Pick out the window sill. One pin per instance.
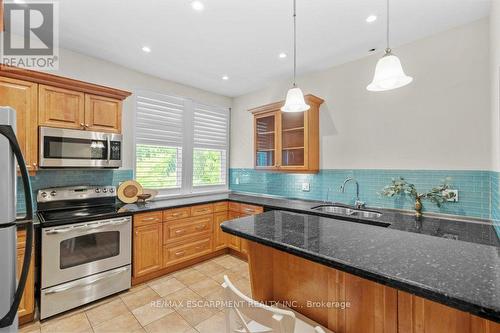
(196, 196)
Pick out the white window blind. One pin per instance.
(159, 140)
(181, 145)
(210, 145)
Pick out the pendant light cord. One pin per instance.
(294, 41)
(388, 45)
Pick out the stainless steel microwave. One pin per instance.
(67, 148)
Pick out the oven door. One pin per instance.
(74, 251)
(74, 148)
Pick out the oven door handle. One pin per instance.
(77, 284)
(86, 226)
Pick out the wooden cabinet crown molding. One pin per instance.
(277, 105)
(62, 82)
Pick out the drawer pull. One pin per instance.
(199, 248)
(180, 231)
(180, 253)
(150, 219)
(249, 210)
(201, 227)
(176, 214)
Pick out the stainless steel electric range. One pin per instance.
(85, 247)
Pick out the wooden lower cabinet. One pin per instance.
(148, 248)
(27, 305)
(163, 239)
(220, 237)
(346, 303)
(233, 242)
(419, 315)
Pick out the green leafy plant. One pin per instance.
(437, 195)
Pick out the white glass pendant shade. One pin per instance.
(389, 74)
(295, 101)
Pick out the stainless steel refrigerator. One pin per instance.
(10, 294)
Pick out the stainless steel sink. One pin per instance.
(341, 210)
(335, 209)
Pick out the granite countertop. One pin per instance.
(460, 274)
(481, 232)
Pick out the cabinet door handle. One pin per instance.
(34, 164)
(82, 125)
(87, 126)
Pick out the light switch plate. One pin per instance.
(455, 197)
(306, 187)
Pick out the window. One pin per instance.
(181, 146)
(210, 146)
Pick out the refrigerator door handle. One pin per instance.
(8, 132)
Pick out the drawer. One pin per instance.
(221, 206)
(176, 213)
(251, 209)
(193, 249)
(147, 218)
(179, 230)
(234, 206)
(202, 210)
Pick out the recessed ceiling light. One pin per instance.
(197, 5)
(225, 77)
(371, 18)
(282, 55)
(146, 49)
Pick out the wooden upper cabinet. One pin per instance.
(22, 96)
(61, 107)
(287, 141)
(103, 114)
(75, 110)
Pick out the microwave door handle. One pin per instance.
(108, 141)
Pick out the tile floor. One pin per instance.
(184, 301)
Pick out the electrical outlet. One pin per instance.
(237, 181)
(306, 187)
(454, 194)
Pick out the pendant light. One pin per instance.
(389, 73)
(295, 98)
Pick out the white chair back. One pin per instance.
(245, 315)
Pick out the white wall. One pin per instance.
(440, 121)
(495, 82)
(82, 67)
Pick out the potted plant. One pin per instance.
(437, 195)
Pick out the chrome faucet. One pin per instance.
(358, 203)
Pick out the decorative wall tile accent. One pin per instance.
(474, 187)
(68, 177)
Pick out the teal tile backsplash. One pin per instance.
(475, 187)
(69, 177)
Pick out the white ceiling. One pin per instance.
(242, 38)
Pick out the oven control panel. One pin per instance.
(75, 193)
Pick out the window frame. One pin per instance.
(187, 188)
